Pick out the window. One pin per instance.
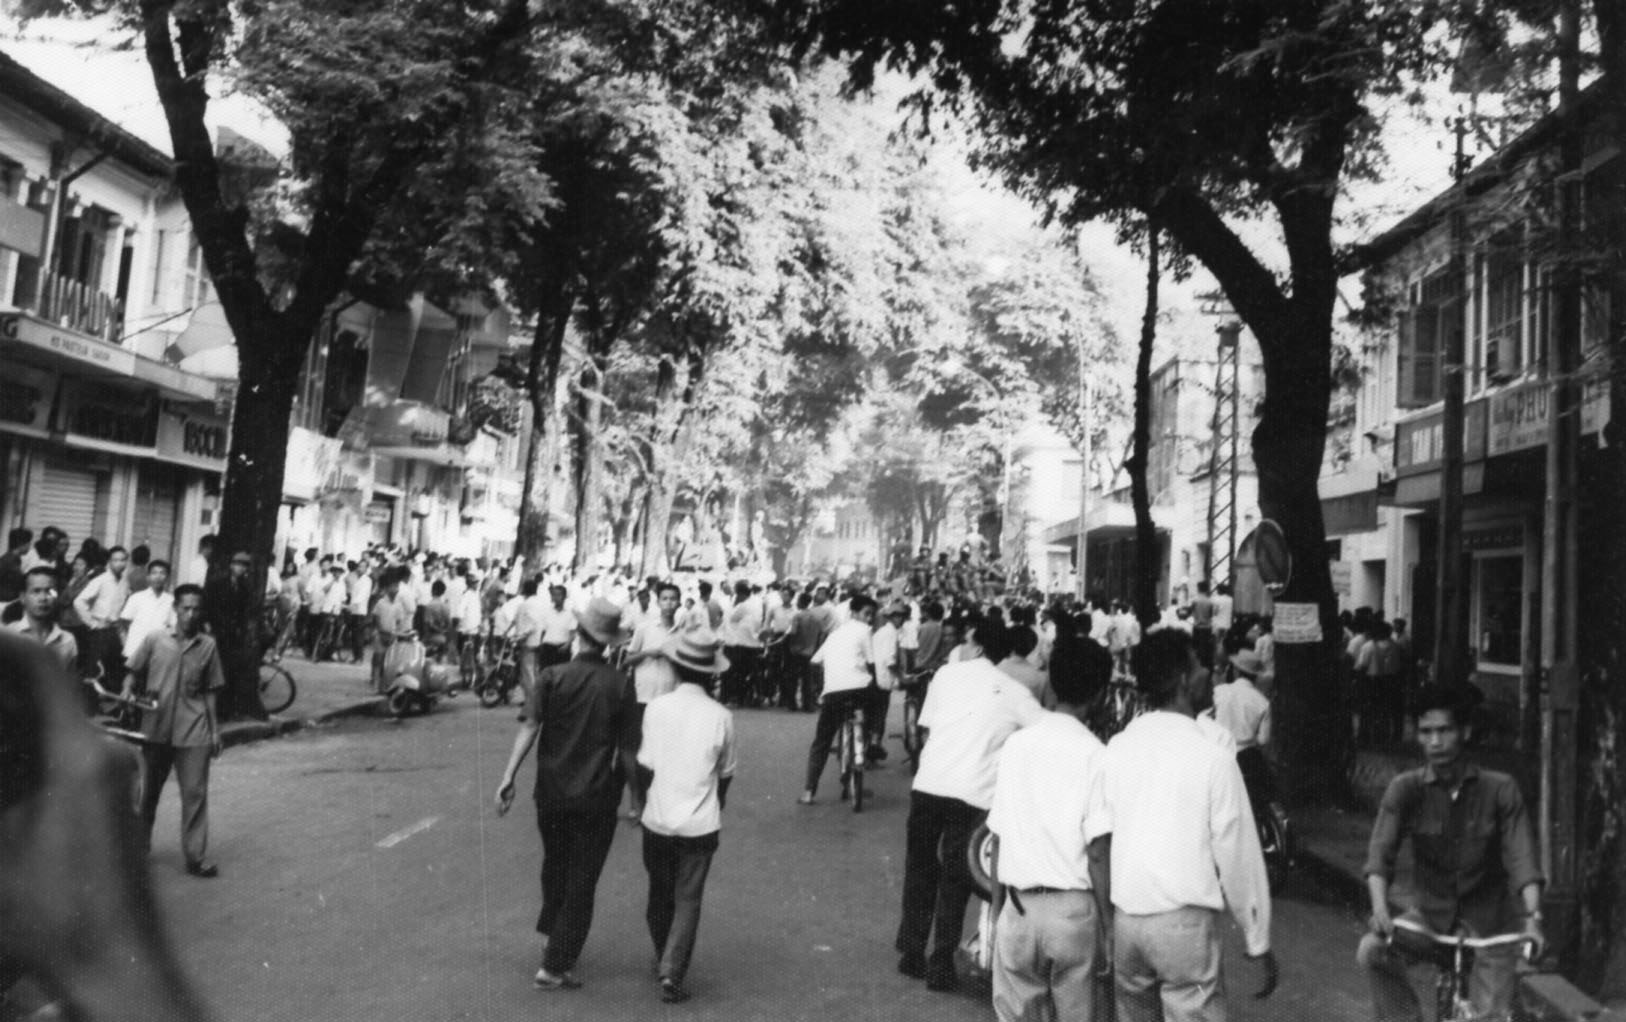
(1503, 300)
(198, 291)
(1424, 331)
(1498, 598)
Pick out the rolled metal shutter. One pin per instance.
(158, 497)
(64, 495)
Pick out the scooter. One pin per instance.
(415, 681)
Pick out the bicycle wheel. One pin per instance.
(855, 741)
(979, 857)
(1273, 842)
(277, 689)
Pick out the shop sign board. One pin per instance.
(1420, 443)
(21, 229)
(194, 435)
(36, 333)
(352, 474)
(1519, 415)
(25, 400)
(378, 513)
(109, 418)
(312, 458)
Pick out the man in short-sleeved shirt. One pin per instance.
(1474, 855)
(1052, 861)
(579, 716)
(971, 707)
(845, 657)
(181, 669)
(37, 622)
(688, 752)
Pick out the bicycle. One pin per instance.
(471, 659)
(502, 677)
(979, 860)
(277, 688)
(850, 752)
(1452, 954)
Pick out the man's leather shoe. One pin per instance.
(913, 966)
(206, 870)
(943, 981)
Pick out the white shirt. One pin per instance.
(196, 572)
(333, 597)
(689, 743)
(102, 599)
(884, 651)
(507, 615)
(1243, 711)
(654, 677)
(1182, 830)
(1047, 804)
(361, 593)
(1222, 612)
(146, 611)
(469, 611)
(745, 620)
(971, 708)
(846, 657)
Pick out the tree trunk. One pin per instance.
(676, 381)
(589, 466)
(252, 495)
(1147, 547)
(541, 388)
(1311, 710)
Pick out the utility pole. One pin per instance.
(1560, 675)
(1450, 623)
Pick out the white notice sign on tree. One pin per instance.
(1297, 623)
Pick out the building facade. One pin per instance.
(101, 432)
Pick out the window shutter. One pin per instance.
(1405, 369)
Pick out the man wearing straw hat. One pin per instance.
(580, 717)
(687, 760)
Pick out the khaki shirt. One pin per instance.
(181, 674)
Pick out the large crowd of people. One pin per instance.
(1123, 838)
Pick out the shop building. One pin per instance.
(101, 433)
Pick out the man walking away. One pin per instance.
(687, 760)
(181, 669)
(971, 708)
(1051, 858)
(848, 680)
(652, 673)
(579, 717)
(1184, 847)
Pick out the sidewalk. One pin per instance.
(325, 691)
(1330, 842)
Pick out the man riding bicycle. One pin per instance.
(1473, 851)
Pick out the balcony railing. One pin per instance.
(77, 306)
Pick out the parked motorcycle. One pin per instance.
(415, 681)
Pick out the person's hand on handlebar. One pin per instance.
(1538, 941)
(76, 907)
(1381, 922)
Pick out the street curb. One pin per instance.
(244, 732)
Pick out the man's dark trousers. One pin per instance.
(937, 880)
(575, 843)
(677, 868)
(190, 764)
(832, 714)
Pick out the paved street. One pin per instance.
(366, 876)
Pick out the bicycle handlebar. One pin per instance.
(1455, 940)
(140, 702)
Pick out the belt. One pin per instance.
(1015, 894)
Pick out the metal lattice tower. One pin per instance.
(1222, 462)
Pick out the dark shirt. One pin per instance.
(11, 577)
(584, 711)
(932, 651)
(806, 632)
(1471, 853)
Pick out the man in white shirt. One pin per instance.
(99, 605)
(1051, 859)
(887, 653)
(1184, 847)
(1244, 712)
(742, 645)
(686, 761)
(775, 640)
(361, 601)
(652, 673)
(971, 708)
(553, 629)
(150, 610)
(846, 659)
